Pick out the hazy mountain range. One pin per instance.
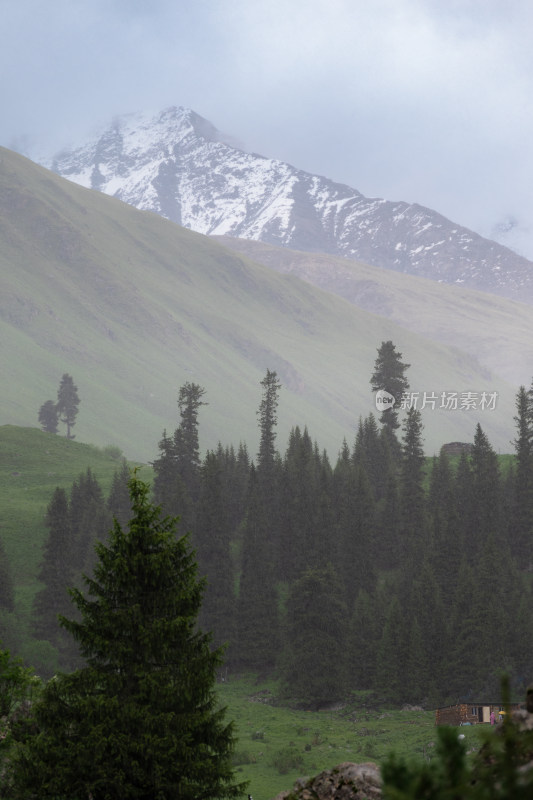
(132, 305)
(177, 164)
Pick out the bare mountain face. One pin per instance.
(178, 165)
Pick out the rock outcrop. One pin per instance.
(346, 781)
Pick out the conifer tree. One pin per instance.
(362, 641)
(140, 719)
(90, 520)
(447, 545)
(493, 611)
(186, 438)
(267, 422)
(300, 525)
(177, 470)
(392, 654)
(389, 525)
(463, 492)
(486, 493)
(521, 517)
(521, 639)
(258, 626)
(67, 403)
(465, 661)
(370, 454)
(212, 544)
(55, 573)
(234, 473)
(417, 669)
(342, 502)
(357, 538)
(269, 464)
(118, 502)
(389, 375)
(324, 540)
(314, 664)
(412, 494)
(49, 416)
(7, 595)
(168, 489)
(422, 601)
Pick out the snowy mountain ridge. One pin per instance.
(177, 164)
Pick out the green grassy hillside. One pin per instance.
(132, 306)
(32, 464)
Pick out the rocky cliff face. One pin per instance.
(178, 165)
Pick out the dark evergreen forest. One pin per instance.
(385, 570)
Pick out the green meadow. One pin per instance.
(278, 744)
(32, 465)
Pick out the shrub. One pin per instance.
(241, 757)
(286, 760)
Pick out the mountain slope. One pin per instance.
(497, 331)
(177, 165)
(132, 306)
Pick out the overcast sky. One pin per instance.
(429, 101)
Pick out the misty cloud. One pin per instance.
(423, 101)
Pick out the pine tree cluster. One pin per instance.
(384, 571)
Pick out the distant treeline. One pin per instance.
(385, 571)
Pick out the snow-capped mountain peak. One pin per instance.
(177, 164)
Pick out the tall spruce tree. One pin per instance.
(357, 538)
(389, 525)
(389, 375)
(269, 464)
(140, 719)
(267, 422)
(325, 544)
(212, 544)
(463, 493)
(67, 403)
(234, 473)
(370, 454)
(257, 617)
(521, 517)
(447, 545)
(186, 438)
(118, 502)
(168, 489)
(314, 663)
(90, 520)
(300, 528)
(55, 573)
(177, 470)
(486, 494)
(412, 493)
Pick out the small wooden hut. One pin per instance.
(470, 713)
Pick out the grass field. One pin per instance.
(277, 745)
